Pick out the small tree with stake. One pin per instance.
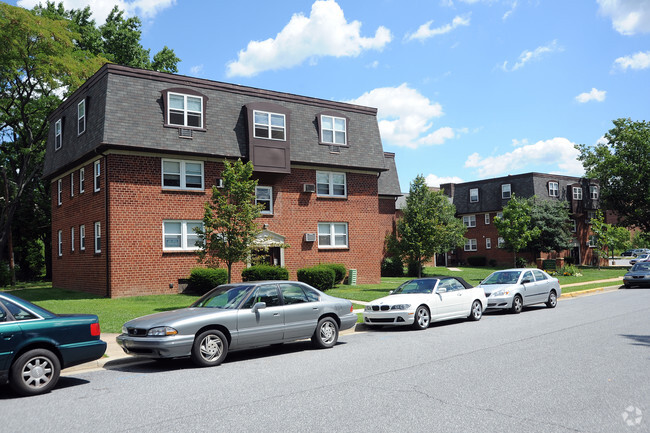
(514, 226)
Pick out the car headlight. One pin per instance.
(400, 307)
(162, 331)
(368, 308)
(124, 330)
(501, 292)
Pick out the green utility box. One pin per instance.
(352, 277)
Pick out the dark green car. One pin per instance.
(35, 344)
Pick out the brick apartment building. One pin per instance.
(132, 156)
(478, 202)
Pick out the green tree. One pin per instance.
(622, 165)
(608, 237)
(515, 225)
(429, 225)
(229, 226)
(552, 218)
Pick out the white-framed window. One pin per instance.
(177, 174)
(333, 130)
(473, 195)
(59, 191)
(553, 189)
(97, 176)
(593, 192)
(506, 190)
(331, 184)
(469, 220)
(81, 117)
(488, 243)
(487, 219)
(593, 241)
(82, 237)
(60, 242)
(500, 214)
(500, 242)
(577, 193)
(332, 235)
(82, 178)
(184, 110)
(98, 237)
(58, 136)
(71, 238)
(574, 225)
(264, 196)
(269, 125)
(470, 245)
(179, 235)
(591, 214)
(72, 184)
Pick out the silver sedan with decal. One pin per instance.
(512, 289)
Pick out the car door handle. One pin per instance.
(460, 294)
(276, 314)
(7, 336)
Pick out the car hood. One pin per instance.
(173, 318)
(408, 298)
(489, 288)
(637, 274)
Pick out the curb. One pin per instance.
(589, 292)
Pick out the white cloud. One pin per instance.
(629, 17)
(510, 12)
(425, 31)
(593, 95)
(639, 60)
(405, 116)
(325, 32)
(528, 56)
(557, 152)
(196, 70)
(101, 8)
(436, 181)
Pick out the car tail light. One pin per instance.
(94, 329)
(351, 308)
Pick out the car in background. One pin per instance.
(421, 301)
(628, 253)
(637, 252)
(35, 344)
(239, 316)
(638, 275)
(513, 289)
(640, 258)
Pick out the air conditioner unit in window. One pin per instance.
(184, 133)
(218, 183)
(310, 237)
(308, 187)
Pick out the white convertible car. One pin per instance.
(424, 300)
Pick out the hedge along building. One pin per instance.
(132, 156)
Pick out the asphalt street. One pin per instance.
(582, 367)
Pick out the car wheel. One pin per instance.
(422, 318)
(552, 299)
(326, 334)
(476, 312)
(517, 304)
(35, 372)
(209, 349)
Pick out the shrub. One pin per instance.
(392, 267)
(477, 260)
(569, 270)
(569, 260)
(320, 277)
(340, 271)
(493, 263)
(520, 262)
(204, 279)
(264, 272)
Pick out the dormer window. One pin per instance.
(553, 189)
(81, 117)
(506, 191)
(473, 195)
(269, 125)
(57, 135)
(577, 193)
(184, 110)
(333, 130)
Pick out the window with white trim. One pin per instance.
(58, 136)
(264, 196)
(500, 214)
(71, 238)
(488, 243)
(473, 195)
(72, 184)
(60, 242)
(471, 245)
(333, 130)
(98, 237)
(331, 184)
(553, 189)
(593, 192)
(591, 215)
(81, 117)
(500, 242)
(82, 179)
(177, 174)
(184, 110)
(82, 237)
(332, 235)
(506, 190)
(577, 193)
(59, 191)
(593, 241)
(269, 125)
(469, 220)
(487, 219)
(97, 171)
(573, 224)
(179, 235)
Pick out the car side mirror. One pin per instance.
(259, 306)
(390, 292)
(525, 281)
(442, 290)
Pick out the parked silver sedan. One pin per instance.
(239, 316)
(515, 288)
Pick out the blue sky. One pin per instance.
(466, 89)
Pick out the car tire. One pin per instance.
(517, 304)
(476, 312)
(35, 372)
(210, 348)
(422, 318)
(552, 299)
(326, 334)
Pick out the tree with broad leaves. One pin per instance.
(552, 218)
(514, 226)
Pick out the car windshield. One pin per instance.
(505, 277)
(416, 286)
(639, 267)
(227, 297)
